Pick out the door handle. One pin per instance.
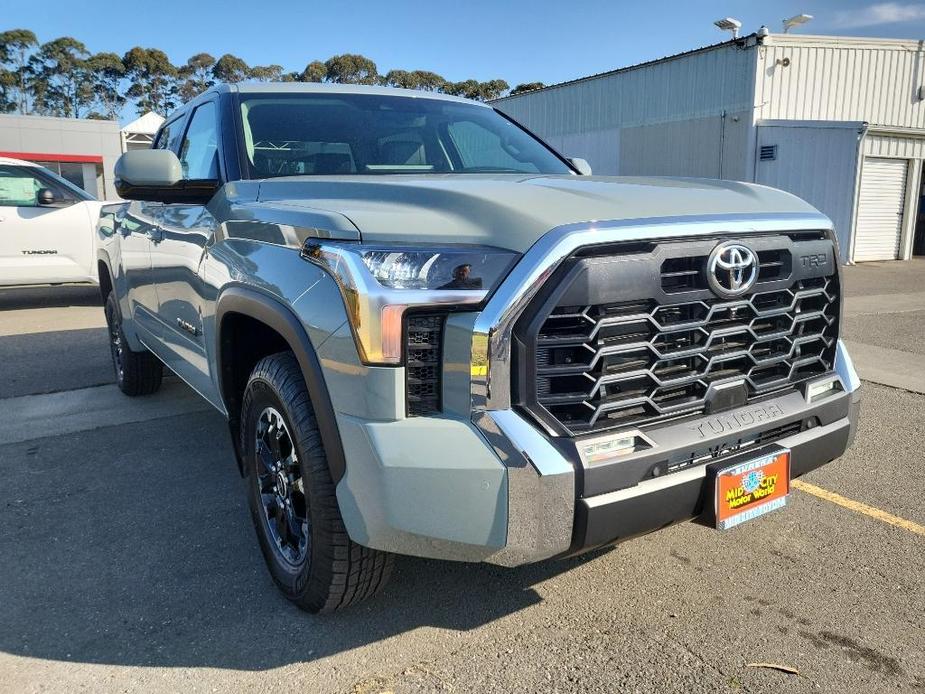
(155, 234)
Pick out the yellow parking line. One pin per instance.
(859, 507)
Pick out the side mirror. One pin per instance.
(45, 197)
(581, 166)
(156, 175)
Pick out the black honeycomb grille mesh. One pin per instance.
(423, 346)
(637, 362)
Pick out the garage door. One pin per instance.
(880, 209)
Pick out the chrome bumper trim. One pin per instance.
(541, 489)
(844, 367)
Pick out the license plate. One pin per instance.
(751, 487)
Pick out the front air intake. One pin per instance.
(423, 361)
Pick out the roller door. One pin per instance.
(880, 209)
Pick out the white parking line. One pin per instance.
(36, 416)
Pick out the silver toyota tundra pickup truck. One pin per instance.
(431, 334)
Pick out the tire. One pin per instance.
(304, 542)
(137, 373)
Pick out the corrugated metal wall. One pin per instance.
(817, 162)
(686, 94)
(603, 144)
(830, 78)
(712, 147)
(894, 145)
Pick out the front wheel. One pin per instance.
(292, 496)
(137, 373)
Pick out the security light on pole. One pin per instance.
(796, 21)
(729, 24)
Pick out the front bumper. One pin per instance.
(822, 432)
(657, 503)
(499, 491)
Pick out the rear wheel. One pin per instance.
(137, 373)
(292, 496)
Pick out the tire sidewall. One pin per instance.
(260, 395)
(114, 321)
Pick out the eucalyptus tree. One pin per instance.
(266, 73)
(428, 81)
(527, 87)
(196, 75)
(315, 71)
(153, 80)
(106, 71)
(230, 68)
(15, 48)
(351, 68)
(401, 78)
(60, 78)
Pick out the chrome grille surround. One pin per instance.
(490, 363)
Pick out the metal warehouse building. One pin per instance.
(838, 121)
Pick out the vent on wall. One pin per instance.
(768, 153)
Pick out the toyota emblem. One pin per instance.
(732, 269)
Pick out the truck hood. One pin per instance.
(507, 211)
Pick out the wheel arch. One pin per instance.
(237, 303)
(107, 280)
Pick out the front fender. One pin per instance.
(278, 316)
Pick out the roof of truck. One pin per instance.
(9, 161)
(329, 88)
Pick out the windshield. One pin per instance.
(363, 134)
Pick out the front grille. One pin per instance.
(635, 360)
(423, 347)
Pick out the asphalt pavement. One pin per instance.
(128, 561)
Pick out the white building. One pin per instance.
(838, 121)
(139, 134)
(81, 150)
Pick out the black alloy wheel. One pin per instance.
(281, 488)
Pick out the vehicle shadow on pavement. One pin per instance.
(132, 545)
(46, 362)
(49, 297)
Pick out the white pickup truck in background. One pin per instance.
(47, 227)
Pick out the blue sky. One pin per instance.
(516, 40)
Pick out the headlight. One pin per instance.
(379, 283)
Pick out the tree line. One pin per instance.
(62, 78)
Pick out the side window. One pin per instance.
(199, 152)
(17, 187)
(480, 148)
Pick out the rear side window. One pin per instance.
(199, 152)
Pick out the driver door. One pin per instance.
(185, 230)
